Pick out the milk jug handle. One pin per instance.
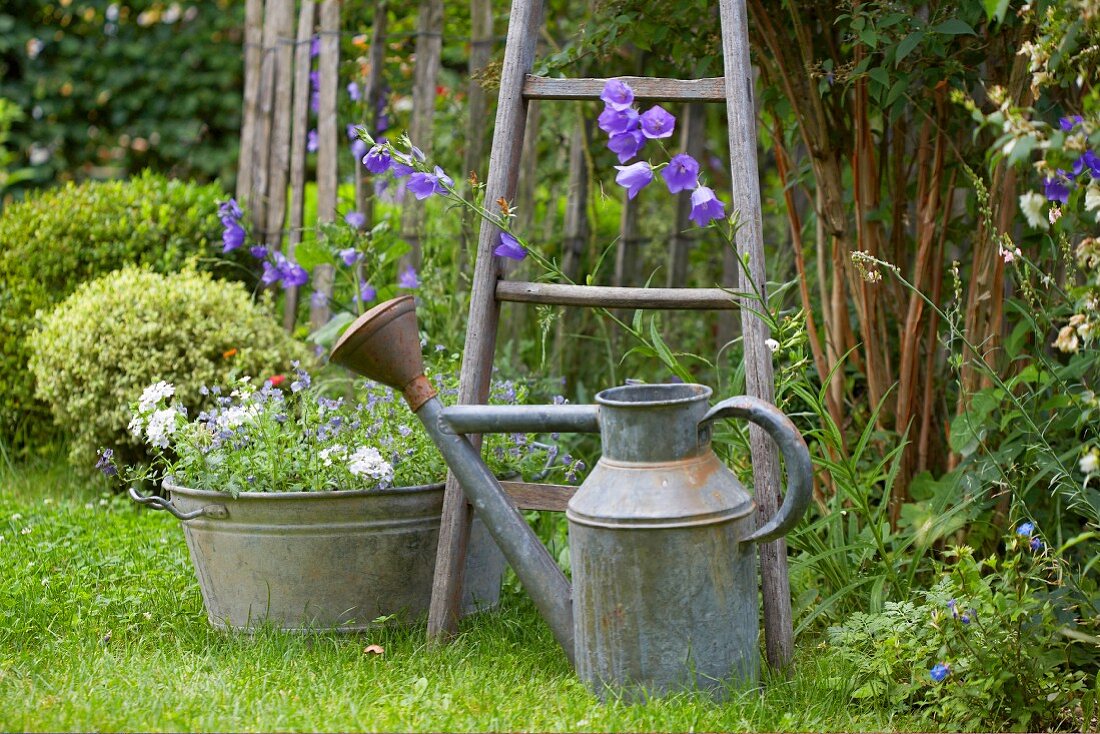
(796, 456)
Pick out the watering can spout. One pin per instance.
(384, 345)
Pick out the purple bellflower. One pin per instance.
(352, 130)
(1068, 123)
(353, 92)
(258, 251)
(1089, 161)
(626, 145)
(681, 173)
(318, 299)
(233, 235)
(350, 256)
(367, 293)
(705, 206)
(1025, 528)
(283, 271)
(1056, 189)
(312, 143)
(510, 248)
(402, 165)
(617, 94)
(356, 219)
(378, 160)
(657, 123)
(613, 121)
(634, 177)
(424, 185)
(408, 278)
(314, 46)
(939, 671)
(230, 209)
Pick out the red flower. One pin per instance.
(276, 380)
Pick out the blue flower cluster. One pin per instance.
(1058, 187)
(628, 131)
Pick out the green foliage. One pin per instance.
(307, 435)
(116, 335)
(54, 241)
(9, 176)
(997, 625)
(111, 88)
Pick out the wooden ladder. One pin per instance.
(517, 87)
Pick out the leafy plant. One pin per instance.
(298, 434)
(57, 239)
(99, 349)
(984, 647)
(113, 88)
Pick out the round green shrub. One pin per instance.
(118, 334)
(60, 238)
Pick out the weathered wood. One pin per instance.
(429, 44)
(692, 135)
(253, 55)
(665, 299)
(645, 87)
(328, 60)
(298, 137)
(628, 251)
(481, 329)
(477, 101)
(529, 496)
(576, 203)
(759, 379)
(261, 139)
(374, 101)
(278, 166)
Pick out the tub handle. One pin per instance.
(159, 503)
(800, 475)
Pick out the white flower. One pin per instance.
(162, 424)
(1032, 204)
(335, 451)
(366, 461)
(137, 425)
(237, 415)
(1054, 214)
(154, 394)
(1010, 255)
(1092, 198)
(772, 345)
(1090, 462)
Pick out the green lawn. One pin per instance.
(103, 628)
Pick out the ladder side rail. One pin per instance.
(759, 378)
(481, 329)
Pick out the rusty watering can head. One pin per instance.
(660, 532)
(384, 345)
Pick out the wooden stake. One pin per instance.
(327, 149)
(261, 142)
(253, 54)
(279, 162)
(298, 137)
(692, 134)
(429, 44)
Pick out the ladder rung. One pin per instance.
(669, 299)
(529, 496)
(711, 89)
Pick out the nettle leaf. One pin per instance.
(907, 45)
(954, 27)
(880, 75)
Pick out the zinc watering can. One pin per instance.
(661, 533)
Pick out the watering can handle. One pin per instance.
(159, 503)
(800, 476)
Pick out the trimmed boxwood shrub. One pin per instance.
(58, 239)
(117, 335)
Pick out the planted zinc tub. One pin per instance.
(335, 560)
